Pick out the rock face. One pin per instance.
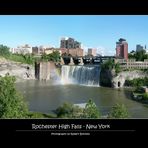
(106, 77)
(20, 71)
(110, 79)
(119, 80)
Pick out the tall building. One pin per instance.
(69, 43)
(122, 49)
(139, 48)
(92, 51)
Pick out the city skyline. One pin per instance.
(93, 31)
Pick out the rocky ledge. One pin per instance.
(110, 79)
(20, 71)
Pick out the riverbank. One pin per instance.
(21, 71)
(140, 97)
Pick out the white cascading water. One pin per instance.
(83, 75)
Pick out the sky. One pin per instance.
(95, 31)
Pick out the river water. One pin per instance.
(47, 96)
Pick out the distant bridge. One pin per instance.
(82, 60)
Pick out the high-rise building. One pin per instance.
(69, 43)
(139, 48)
(92, 51)
(122, 49)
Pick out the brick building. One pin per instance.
(122, 49)
(76, 52)
(69, 43)
(92, 51)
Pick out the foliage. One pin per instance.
(145, 96)
(65, 110)
(55, 56)
(137, 82)
(68, 110)
(39, 115)
(11, 102)
(4, 50)
(117, 68)
(91, 110)
(26, 59)
(119, 111)
(139, 56)
(110, 64)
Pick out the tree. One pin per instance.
(44, 57)
(11, 102)
(145, 96)
(4, 50)
(117, 68)
(68, 110)
(139, 55)
(64, 111)
(91, 110)
(55, 56)
(119, 111)
(109, 64)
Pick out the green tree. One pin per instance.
(119, 111)
(139, 55)
(109, 64)
(64, 111)
(68, 110)
(4, 50)
(117, 68)
(55, 56)
(145, 96)
(91, 110)
(11, 102)
(44, 57)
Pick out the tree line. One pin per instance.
(28, 58)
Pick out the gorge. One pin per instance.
(75, 84)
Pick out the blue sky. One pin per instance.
(98, 31)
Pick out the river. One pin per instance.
(47, 96)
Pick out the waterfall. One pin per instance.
(84, 75)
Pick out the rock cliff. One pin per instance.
(110, 79)
(20, 71)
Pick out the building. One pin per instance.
(122, 49)
(69, 43)
(63, 43)
(76, 52)
(35, 50)
(48, 50)
(92, 51)
(12, 50)
(23, 49)
(132, 64)
(139, 48)
(63, 51)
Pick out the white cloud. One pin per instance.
(105, 52)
